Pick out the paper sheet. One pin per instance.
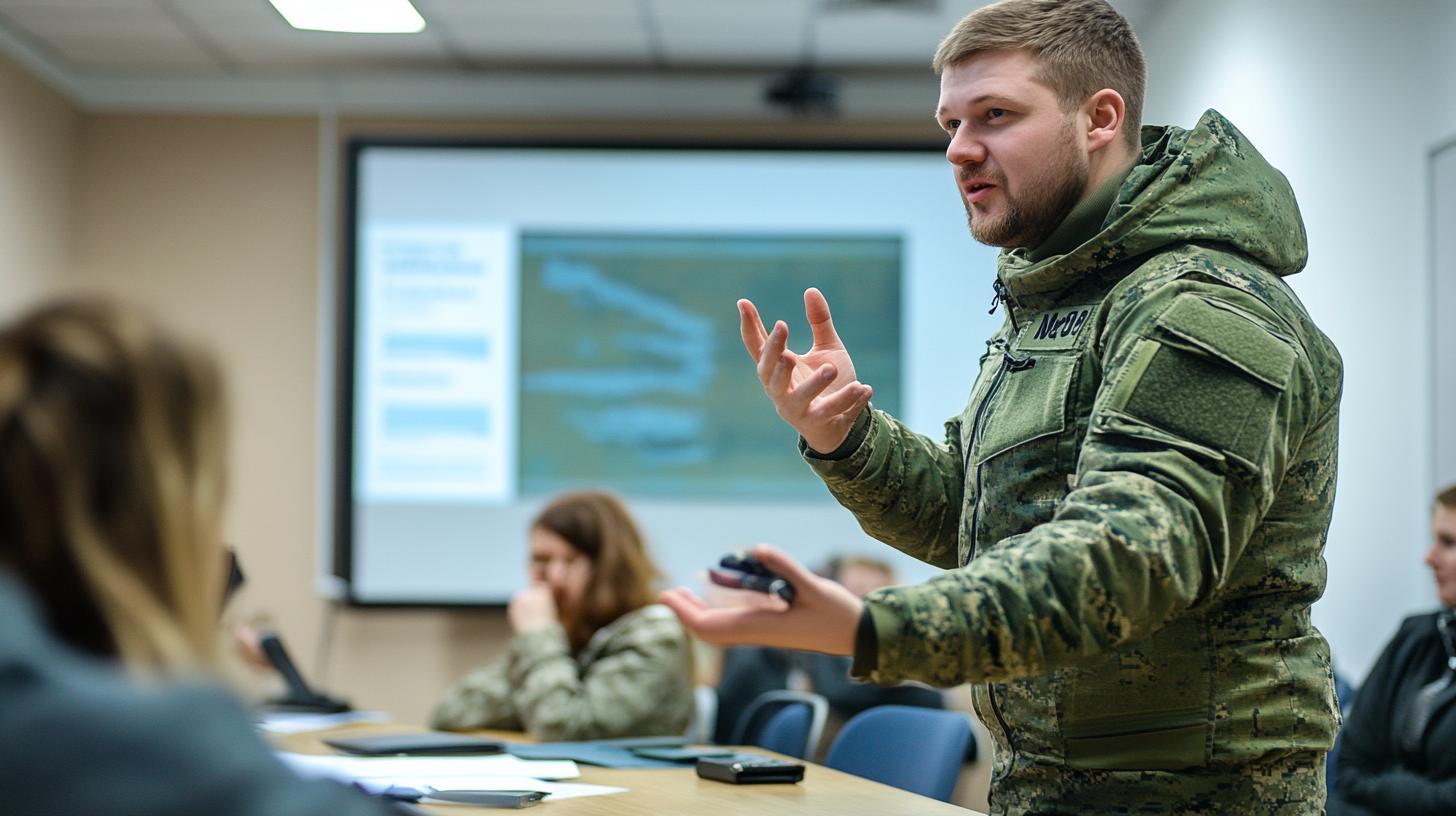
(293, 722)
(500, 772)
(440, 769)
(558, 790)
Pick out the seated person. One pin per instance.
(593, 656)
(112, 449)
(749, 671)
(1398, 748)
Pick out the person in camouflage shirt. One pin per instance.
(592, 656)
(1132, 507)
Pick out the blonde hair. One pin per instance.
(112, 481)
(1082, 46)
(597, 524)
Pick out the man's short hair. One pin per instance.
(1447, 498)
(1082, 47)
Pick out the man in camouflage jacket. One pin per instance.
(1133, 505)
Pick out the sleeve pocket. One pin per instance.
(1209, 375)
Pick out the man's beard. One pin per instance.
(1031, 217)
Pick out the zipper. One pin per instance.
(999, 295)
(1009, 363)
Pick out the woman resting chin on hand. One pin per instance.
(592, 656)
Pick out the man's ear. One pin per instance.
(1103, 117)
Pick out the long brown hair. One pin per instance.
(598, 525)
(111, 481)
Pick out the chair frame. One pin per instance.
(818, 715)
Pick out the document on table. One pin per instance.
(293, 722)
(496, 772)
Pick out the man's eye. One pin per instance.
(995, 113)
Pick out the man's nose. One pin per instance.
(965, 149)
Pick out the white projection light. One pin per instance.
(352, 16)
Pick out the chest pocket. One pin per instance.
(1025, 404)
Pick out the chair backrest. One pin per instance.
(705, 714)
(916, 749)
(790, 722)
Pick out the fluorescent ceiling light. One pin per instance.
(353, 16)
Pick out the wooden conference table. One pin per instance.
(823, 792)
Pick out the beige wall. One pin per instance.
(213, 224)
(38, 131)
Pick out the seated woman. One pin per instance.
(1398, 748)
(593, 656)
(111, 494)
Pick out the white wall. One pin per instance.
(1346, 98)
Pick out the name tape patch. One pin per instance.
(1055, 330)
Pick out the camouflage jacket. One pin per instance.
(1132, 508)
(632, 679)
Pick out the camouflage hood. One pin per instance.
(1207, 185)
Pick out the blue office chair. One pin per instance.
(789, 722)
(915, 749)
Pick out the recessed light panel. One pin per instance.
(352, 16)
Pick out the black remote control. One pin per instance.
(743, 570)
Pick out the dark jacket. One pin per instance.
(1373, 775)
(78, 737)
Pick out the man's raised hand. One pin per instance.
(815, 392)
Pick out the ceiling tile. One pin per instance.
(45, 22)
(875, 37)
(534, 42)
(565, 12)
(102, 56)
(747, 32)
(78, 5)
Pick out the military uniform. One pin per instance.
(1132, 507)
(633, 678)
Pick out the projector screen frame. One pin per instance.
(341, 544)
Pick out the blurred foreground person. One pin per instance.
(112, 462)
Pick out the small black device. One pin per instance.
(431, 743)
(299, 697)
(743, 570)
(750, 769)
